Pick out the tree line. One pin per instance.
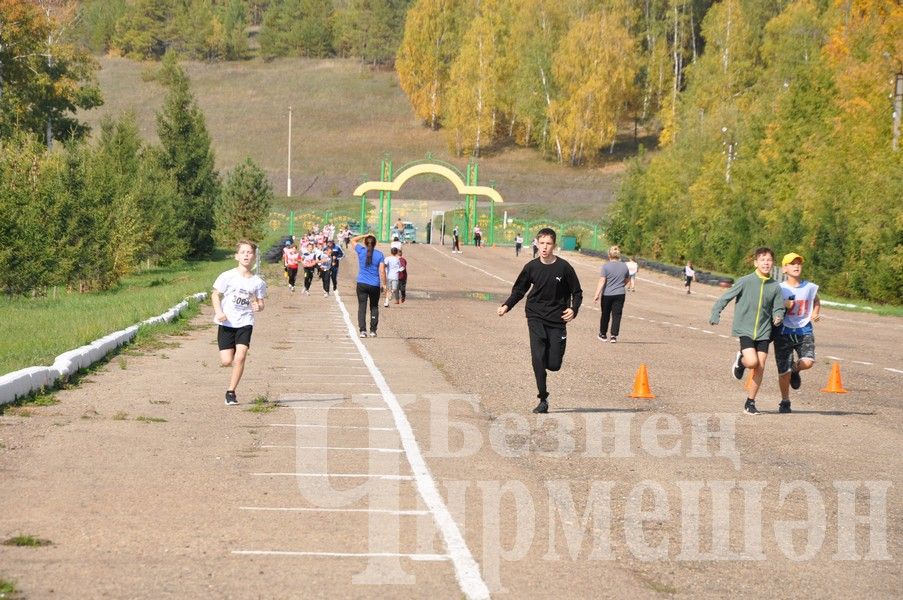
(773, 118)
(83, 214)
(782, 136)
(222, 29)
(557, 75)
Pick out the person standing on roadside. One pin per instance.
(535, 246)
(456, 241)
(554, 298)
(518, 244)
(689, 275)
(371, 279)
(632, 269)
(611, 289)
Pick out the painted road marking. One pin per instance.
(384, 511)
(360, 449)
(307, 425)
(467, 571)
(336, 407)
(342, 475)
(417, 557)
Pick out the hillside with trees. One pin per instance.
(774, 118)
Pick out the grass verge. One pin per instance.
(7, 590)
(148, 339)
(28, 541)
(36, 330)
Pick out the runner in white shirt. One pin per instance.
(237, 295)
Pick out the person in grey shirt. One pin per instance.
(611, 289)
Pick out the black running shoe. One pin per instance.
(784, 407)
(795, 380)
(737, 368)
(750, 408)
(230, 398)
(542, 407)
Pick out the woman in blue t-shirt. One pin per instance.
(371, 280)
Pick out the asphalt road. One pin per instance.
(410, 464)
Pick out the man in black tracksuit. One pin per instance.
(553, 301)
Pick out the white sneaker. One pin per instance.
(325, 294)
(386, 303)
(363, 334)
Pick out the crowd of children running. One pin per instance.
(765, 310)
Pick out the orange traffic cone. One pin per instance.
(641, 384)
(835, 385)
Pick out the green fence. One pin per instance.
(585, 234)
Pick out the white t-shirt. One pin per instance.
(689, 272)
(632, 267)
(237, 293)
(800, 314)
(393, 266)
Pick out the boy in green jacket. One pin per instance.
(759, 306)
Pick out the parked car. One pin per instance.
(409, 232)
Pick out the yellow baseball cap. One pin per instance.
(789, 258)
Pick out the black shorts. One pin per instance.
(229, 337)
(759, 345)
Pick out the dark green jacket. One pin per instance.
(759, 300)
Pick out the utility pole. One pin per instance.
(898, 108)
(288, 191)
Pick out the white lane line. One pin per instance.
(358, 449)
(382, 511)
(417, 557)
(708, 332)
(378, 408)
(493, 275)
(727, 337)
(306, 425)
(340, 475)
(693, 328)
(467, 571)
(893, 370)
(861, 362)
(834, 357)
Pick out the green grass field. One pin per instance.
(345, 119)
(36, 330)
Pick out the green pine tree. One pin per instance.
(188, 155)
(244, 205)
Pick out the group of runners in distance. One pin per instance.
(765, 310)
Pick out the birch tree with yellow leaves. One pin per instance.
(595, 66)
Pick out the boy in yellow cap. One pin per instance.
(795, 333)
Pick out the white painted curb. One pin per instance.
(31, 379)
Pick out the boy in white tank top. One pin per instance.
(795, 334)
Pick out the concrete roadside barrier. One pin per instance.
(23, 382)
